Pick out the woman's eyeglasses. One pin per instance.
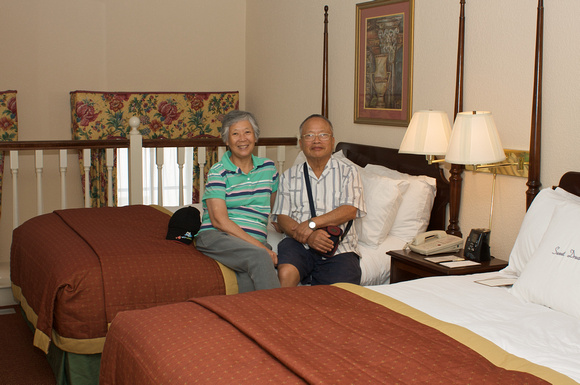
(322, 136)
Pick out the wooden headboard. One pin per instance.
(407, 163)
(570, 182)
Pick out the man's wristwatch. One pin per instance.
(312, 225)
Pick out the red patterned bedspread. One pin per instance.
(78, 268)
(321, 334)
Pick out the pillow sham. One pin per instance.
(383, 197)
(340, 155)
(550, 277)
(415, 210)
(534, 225)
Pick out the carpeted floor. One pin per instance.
(21, 363)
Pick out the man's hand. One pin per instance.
(302, 232)
(320, 241)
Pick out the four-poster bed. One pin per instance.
(132, 357)
(350, 334)
(70, 297)
(456, 169)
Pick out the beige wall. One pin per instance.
(271, 52)
(284, 83)
(50, 48)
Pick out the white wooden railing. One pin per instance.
(135, 144)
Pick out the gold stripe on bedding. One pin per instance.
(484, 347)
(42, 341)
(90, 345)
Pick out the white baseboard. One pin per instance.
(6, 297)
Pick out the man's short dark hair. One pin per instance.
(316, 116)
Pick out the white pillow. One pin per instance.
(300, 158)
(552, 276)
(382, 196)
(534, 226)
(415, 211)
(340, 156)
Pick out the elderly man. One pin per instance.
(337, 198)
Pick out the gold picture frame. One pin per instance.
(384, 62)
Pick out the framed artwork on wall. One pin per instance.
(384, 62)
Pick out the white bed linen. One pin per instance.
(375, 263)
(534, 332)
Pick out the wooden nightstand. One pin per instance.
(407, 265)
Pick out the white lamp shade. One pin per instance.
(474, 140)
(428, 134)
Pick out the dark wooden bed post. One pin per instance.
(534, 183)
(456, 170)
(325, 66)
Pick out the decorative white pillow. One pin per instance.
(340, 155)
(552, 276)
(534, 226)
(415, 211)
(383, 197)
(300, 158)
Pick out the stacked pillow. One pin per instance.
(398, 204)
(535, 224)
(546, 254)
(414, 212)
(383, 198)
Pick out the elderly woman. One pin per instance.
(239, 194)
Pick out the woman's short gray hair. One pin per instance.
(234, 117)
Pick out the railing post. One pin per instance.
(201, 160)
(281, 158)
(221, 152)
(39, 162)
(135, 163)
(110, 156)
(87, 169)
(14, 171)
(159, 160)
(262, 151)
(180, 163)
(63, 167)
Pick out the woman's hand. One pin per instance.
(274, 257)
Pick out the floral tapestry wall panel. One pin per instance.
(8, 127)
(168, 115)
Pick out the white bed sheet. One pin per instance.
(375, 263)
(534, 332)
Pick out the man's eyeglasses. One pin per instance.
(322, 136)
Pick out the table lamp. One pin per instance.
(428, 134)
(475, 141)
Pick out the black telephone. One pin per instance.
(477, 245)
